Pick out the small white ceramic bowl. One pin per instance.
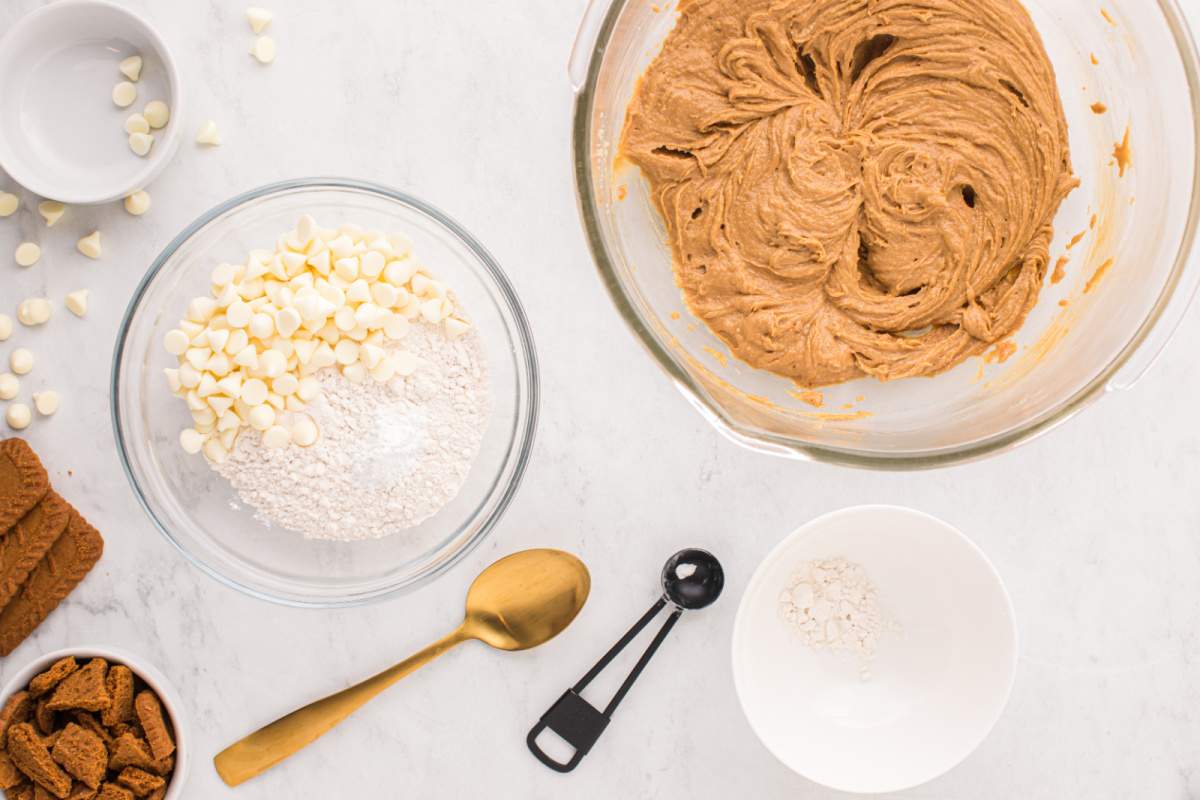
(61, 135)
(938, 683)
(152, 677)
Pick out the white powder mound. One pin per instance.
(833, 606)
(390, 455)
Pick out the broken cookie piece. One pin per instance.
(150, 715)
(120, 689)
(82, 754)
(27, 752)
(111, 791)
(52, 677)
(10, 776)
(140, 782)
(129, 751)
(84, 689)
(17, 708)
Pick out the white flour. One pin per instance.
(833, 606)
(390, 455)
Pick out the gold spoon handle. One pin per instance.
(271, 744)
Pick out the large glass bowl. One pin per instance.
(198, 511)
(1077, 345)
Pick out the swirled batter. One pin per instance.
(854, 187)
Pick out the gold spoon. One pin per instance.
(521, 601)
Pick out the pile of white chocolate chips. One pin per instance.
(249, 353)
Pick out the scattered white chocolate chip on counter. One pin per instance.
(27, 254)
(263, 50)
(141, 143)
(138, 203)
(157, 114)
(77, 302)
(90, 245)
(34, 311)
(208, 134)
(259, 18)
(21, 361)
(9, 203)
(9, 386)
(131, 67)
(18, 416)
(137, 123)
(52, 211)
(46, 402)
(6, 327)
(124, 93)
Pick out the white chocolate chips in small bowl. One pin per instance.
(249, 353)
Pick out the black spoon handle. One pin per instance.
(579, 722)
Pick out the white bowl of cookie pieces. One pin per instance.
(153, 679)
(61, 135)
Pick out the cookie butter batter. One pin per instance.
(854, 187)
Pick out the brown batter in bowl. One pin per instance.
(854, 187)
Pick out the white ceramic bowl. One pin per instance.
(61, 135)
(938, 684)
(152, 677)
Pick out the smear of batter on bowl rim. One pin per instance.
(854, 187)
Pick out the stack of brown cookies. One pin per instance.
(46, 547)
(91, 732)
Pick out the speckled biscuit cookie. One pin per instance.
(23, 481)
(28, 541)
(32, 758)
(69, 560)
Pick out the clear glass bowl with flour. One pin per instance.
(389, 476)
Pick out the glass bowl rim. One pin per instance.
(527, 368)
(786, 446)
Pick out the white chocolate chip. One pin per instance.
(132, 67)
(27, 254)
(208, 134)
(46, 402)
(140, 143)
(264, 49)
(9, 386)
(191, 440)
(21, 361)
(6, 327)
(137, 203)
(254, 392)
(34, 311)
(262, 417)
(158, 114)
(9, 203)
(276, 437)
(355, 373)
(176, 342)
(456, 327)
(124, 93)
(77, 302)
(18, 416)
(90, 245)
(136, 123)
(305, 432)
(51, 211)
(259, 18)
(215, 451)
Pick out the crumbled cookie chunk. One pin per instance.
(22, 792)
(10, 776)
(140, 782)
(120, 689)
(17, 708)
(111, 791)
(52, 677)
(89, 722)
(43, 716)
(150, 715)
(85, 689)
(31, 757)
(81, 753)
(81, 791)
(129, 751)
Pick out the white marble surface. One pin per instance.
(1096, 528)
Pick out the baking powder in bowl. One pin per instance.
(390, 456)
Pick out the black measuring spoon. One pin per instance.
(691, 579)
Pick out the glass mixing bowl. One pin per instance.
(1077, 345)
(198, 511)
